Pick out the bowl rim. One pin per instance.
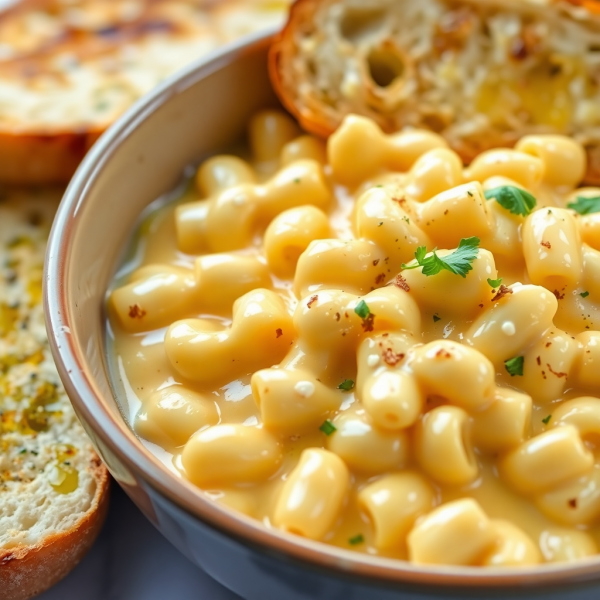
(120, 439)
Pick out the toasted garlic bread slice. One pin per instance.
(53, 487)
(69, 68)
(482, 73)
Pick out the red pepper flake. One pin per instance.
(392, 358)
(572, 503)
(527, 44)
(367, 323)
(503, 291)
(481, 306)
(546, 244)
(375, 262)
(539, 361)
(386, 334)
(346, 315)
(558, 295)
(399, 200)
(452, 31)
(136, 312)
(312, 300)
(544, 374)
(518, 49)
(446, 212)
(278, 332)
(337, 316)
(380, 278)
(443, 353)
(400, 282)
(558, 374)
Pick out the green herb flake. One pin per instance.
(362, 310)
(513, 199)
(380, 224)
(546, 420)
(436, 318)
(20, 240)
(297, 180)
(328, 427)
(346, 385)
(495, 283)
(405, 218)
(470, 193)
(584, 294)
(514, 366)
(23, 451)
(585, 205)
(357, 539)
(457, 262)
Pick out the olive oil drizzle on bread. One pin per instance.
(53, 487)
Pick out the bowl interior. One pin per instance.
(201, 110)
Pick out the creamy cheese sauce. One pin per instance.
(144, 367)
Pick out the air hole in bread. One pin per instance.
(385, 66)
(357, 23)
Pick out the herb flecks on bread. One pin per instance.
(53, 487)
(482, 73)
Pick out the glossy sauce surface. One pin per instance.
(145, 368)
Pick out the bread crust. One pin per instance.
(280, 53)
(42, 159)
(322, 121)
(26, 571)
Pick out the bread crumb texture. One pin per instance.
(482, 74)
(46, 460)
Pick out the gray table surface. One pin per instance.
(132, 561)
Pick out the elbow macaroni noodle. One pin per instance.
(277, 350)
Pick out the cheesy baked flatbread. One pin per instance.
(69, 68)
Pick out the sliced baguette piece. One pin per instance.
(482, 73)
(53, 487)
(69, 68)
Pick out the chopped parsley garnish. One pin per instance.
(357, 539)
(495, 283)
(513, 199)
(546, 420)
(346, 385)
(328, 427)
(436, 318)
(514, 366)
(584, 294)
(585, 205)
(457, 262)
(362, 310)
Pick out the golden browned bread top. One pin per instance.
(75, 65)
(69, 68)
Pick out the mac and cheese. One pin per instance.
(367, 344)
